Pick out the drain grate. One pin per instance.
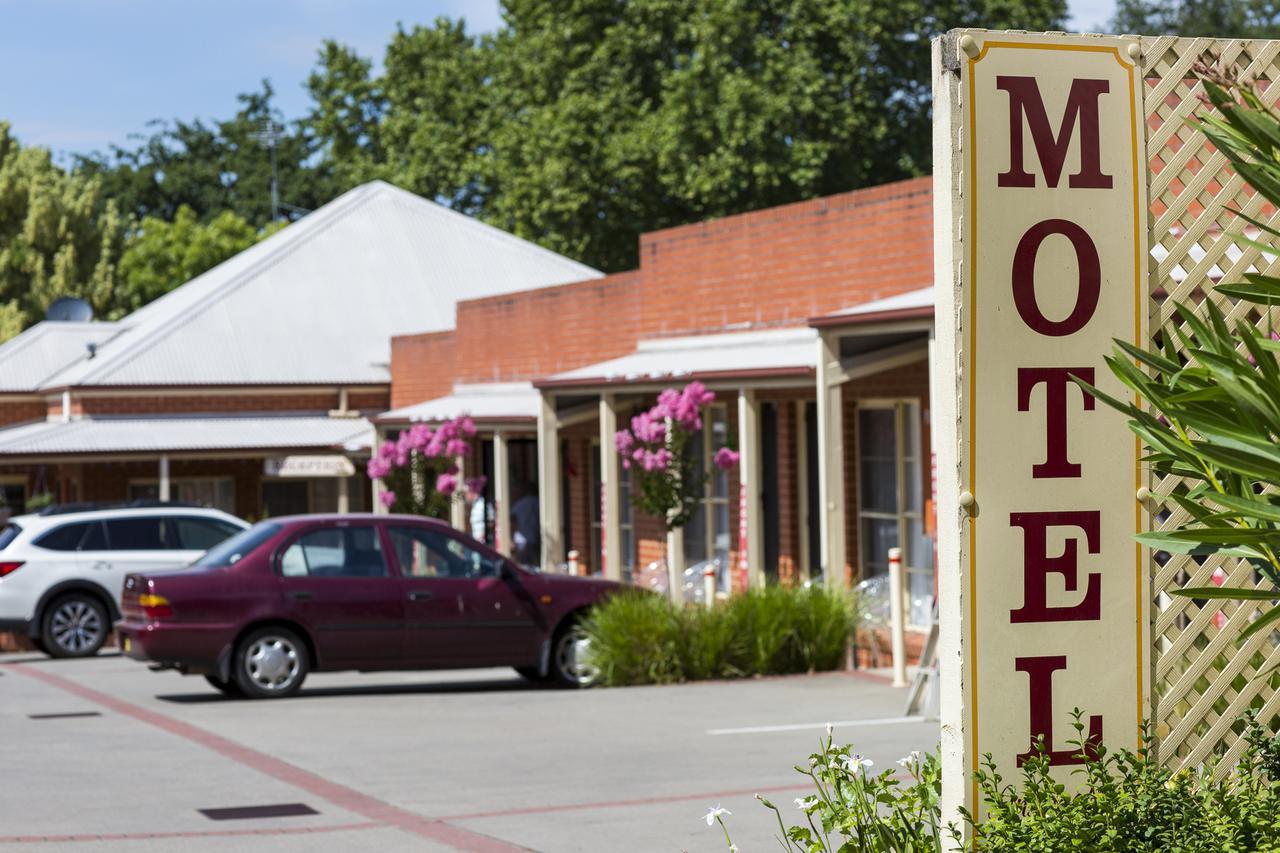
(251, 812)
(66, 716)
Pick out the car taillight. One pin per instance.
(155, 606)
(9, 568)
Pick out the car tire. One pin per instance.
(571, 666)
(270, 663)
(39, 645)
(230, 689)
(75, 625)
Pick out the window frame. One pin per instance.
(492, 557)
(384, 544)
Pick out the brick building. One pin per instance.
(249, 388)
(810, 321)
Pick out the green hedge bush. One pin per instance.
(1125, 802)
(641, 638)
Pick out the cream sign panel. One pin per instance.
(1054, 215)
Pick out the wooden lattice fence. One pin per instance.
(1204, 679)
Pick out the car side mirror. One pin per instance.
(506, 571)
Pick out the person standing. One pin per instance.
(481, 515)
(527, 527)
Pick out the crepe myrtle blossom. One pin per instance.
(669, 483)
(447, 484)
(421, 455)
(388, 499)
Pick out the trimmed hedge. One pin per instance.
(642, 638)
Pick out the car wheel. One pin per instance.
(571, 663)
(38, 643)
(270, 663)
(75, 626)
(229, 689)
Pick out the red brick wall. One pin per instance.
(21, 411)
(422, 367)
(786, 264)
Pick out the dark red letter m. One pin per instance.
(1082, 108)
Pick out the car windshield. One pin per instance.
(8, 534)
(233, 550)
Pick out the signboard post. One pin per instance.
(1041, 204)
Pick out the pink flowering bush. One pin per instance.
(417, 469)
(654, 447)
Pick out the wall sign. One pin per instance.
(308, 466)
(1047, 196)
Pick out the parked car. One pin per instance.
(61, 570)
(300, 594)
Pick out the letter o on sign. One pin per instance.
(1024, 274)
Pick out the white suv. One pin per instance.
(61, 571)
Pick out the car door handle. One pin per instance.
(102, 565)
(301, 595)
(421, 595)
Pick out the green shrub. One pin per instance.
(640, 638)
(1125, 802)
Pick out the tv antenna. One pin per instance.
(269, 137)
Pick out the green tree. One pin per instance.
(161, 255)
(215, 167)
(60, 235)
(582, 123)
(1219, 18)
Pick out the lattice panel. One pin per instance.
(1203, 678)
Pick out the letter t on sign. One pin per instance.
(1056, 381)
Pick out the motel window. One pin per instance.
(707, 535)
(627, 539)
(891, 498)
(13, 497)
(215, 492)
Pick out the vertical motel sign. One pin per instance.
(1041, 262)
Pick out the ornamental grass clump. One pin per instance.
(641, 638)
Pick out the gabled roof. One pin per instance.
(319, 301)
(758, 354)
(483, 402)
(913, 304)
(40, 353)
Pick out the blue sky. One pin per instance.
(83, 74)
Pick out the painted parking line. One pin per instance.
(209, 833)
(340, 795)
(794, 727)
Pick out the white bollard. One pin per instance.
(897, 624)
(573, 562)
(709, 585)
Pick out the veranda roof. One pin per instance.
(151, 435)
(770, 354)
(484, 402)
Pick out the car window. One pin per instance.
(235, 549)
(201, 534)
(66, 537)
(338, 552)
(95, 538)
(8, 534)
(140, 534)
(427, 553)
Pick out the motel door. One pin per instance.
(891, 498)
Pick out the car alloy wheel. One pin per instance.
(273, 663)
(75, 627)
(572, 660)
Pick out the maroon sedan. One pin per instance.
(355, 592)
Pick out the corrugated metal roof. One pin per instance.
(735, 353)
(186, 433)
(319, 301)
(32, 358)
(494, 401)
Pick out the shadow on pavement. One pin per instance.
(513, 685)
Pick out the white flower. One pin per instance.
(712, 814)
(911, 760)
(733, 848)
(855, 761)
(830, 729)
(806, 803)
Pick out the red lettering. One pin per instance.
(1056, 381)
(1024, 274)
(1036, 566)
(1082, 107)
(1040, 672)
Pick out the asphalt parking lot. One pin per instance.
(104, 755)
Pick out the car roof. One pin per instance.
(355, 516)
(38, 520)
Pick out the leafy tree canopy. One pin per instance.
(1222, 18)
